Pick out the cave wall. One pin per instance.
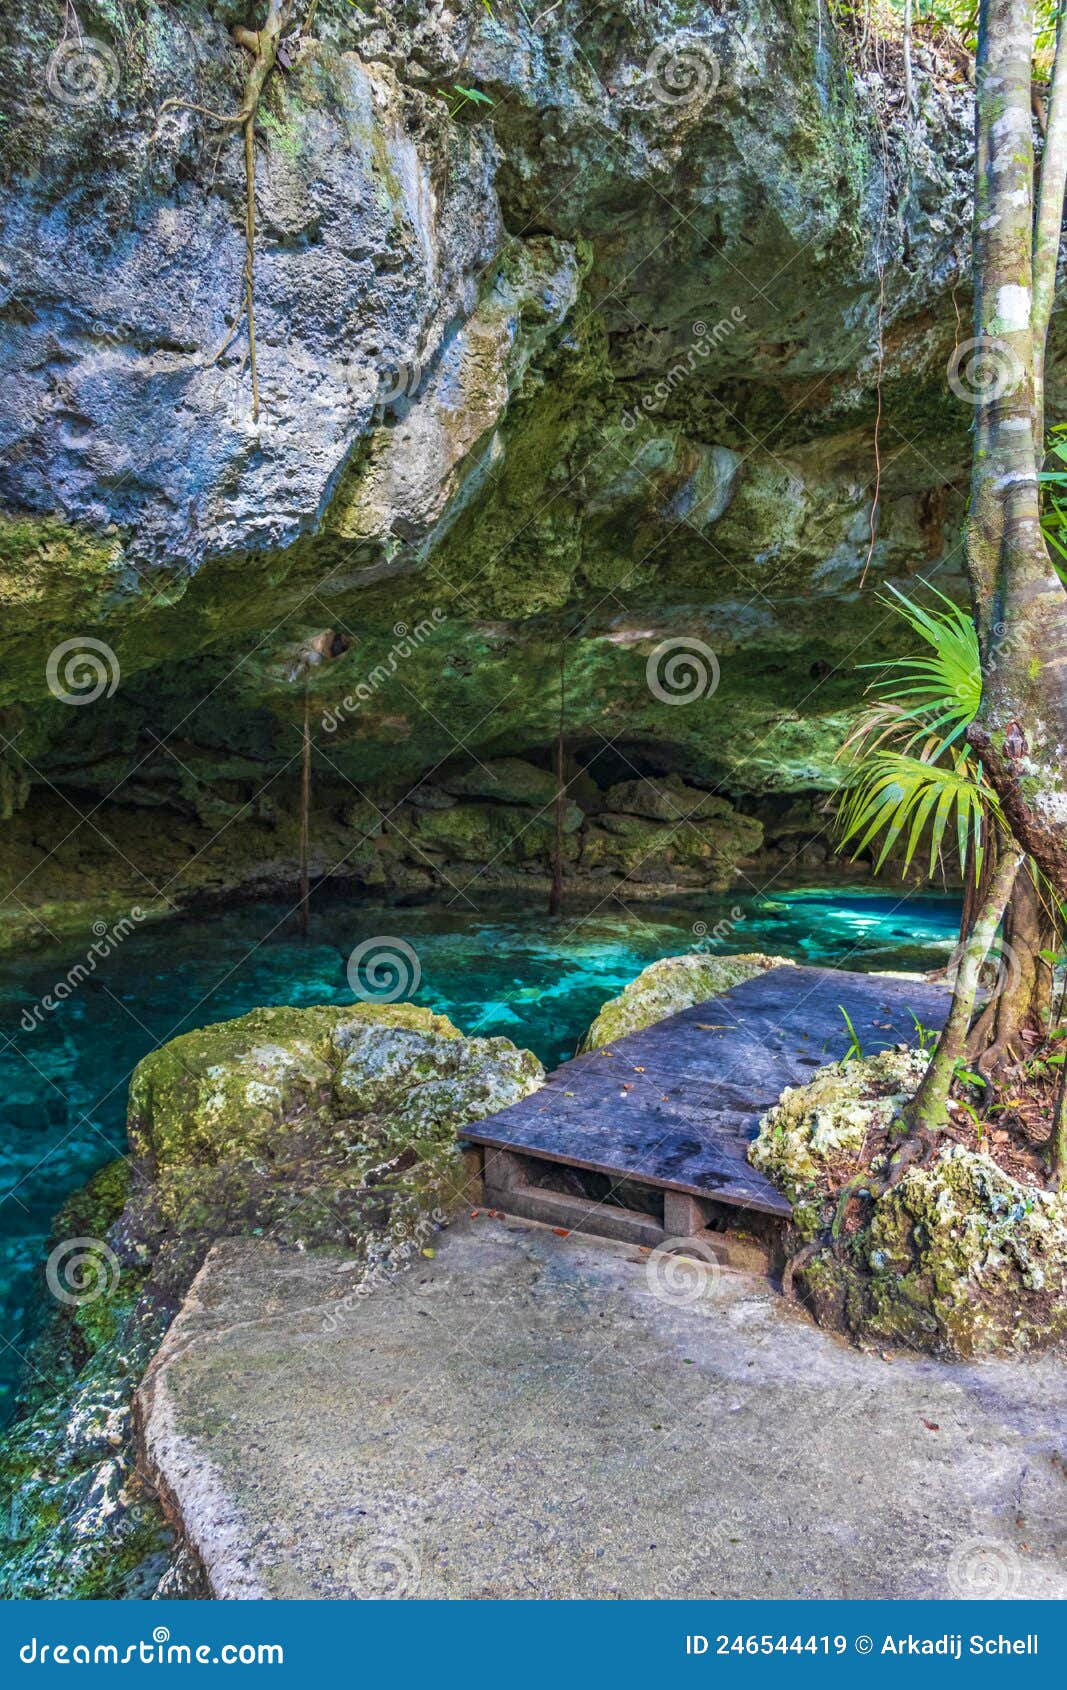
(590, 364)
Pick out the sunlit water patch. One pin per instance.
(540, 982)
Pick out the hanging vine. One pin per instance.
(264, 44)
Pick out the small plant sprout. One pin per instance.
(854, 1053)
(457, 97)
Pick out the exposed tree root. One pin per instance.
(263, 45)
(1057, 1144)
(919, 1147)
(793, 1266)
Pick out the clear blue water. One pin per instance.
(63, 1084)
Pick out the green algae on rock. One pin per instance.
(672, 984)
(958, 1258)
(309, 1124)
(79, 1520)
(335, 1124)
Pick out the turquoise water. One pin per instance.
(540, 982)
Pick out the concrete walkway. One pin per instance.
(526, 1415)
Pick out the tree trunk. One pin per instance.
(927, 1109)
(1058, 1142)
(1048, 223)
(1020, 605)
(1022, 993)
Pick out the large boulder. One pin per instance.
(352, 1108)
(959, 1257)
(671, 984)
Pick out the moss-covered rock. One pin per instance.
(78, 1521)
(324, 1125)
(957, 1257)
(674, 983)
(296, 1121)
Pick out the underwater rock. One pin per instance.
(672, 984)
(958, 1258)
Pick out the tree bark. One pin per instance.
(1020, 605)
(927, 1110)
(1048, 222)
(1023, 1000)
(1058, 1141)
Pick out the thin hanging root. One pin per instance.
(263, 45)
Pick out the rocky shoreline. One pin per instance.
(335, 1129)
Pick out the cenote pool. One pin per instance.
(510, 971)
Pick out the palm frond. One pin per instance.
(900, 795)
(936, 691)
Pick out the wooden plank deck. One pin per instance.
(675, 1105)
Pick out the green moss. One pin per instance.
(957, 1257)
(228, 1122)
(670, 985)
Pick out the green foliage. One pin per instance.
(854, 1053)
(457, 97)
(1054, 500)
(913, 771)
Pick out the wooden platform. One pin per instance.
(673, 1108)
